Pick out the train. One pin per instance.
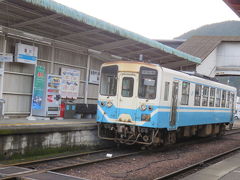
(144, 103)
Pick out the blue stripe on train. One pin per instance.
(161, 119)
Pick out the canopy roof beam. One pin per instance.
(113, 45)
(84, 33)
(37, 20)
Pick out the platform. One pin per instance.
(23, 122)
(228, 169)
(23, 125)
(24, 137)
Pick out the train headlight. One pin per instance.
(109, 104)
(143, 107)
(146, 117)
(150, 108)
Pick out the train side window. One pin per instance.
(185, 93)
(205, 96)
(197, 99)
(218, 98)
(223, 99)
(166, 91)
(127, 87)
(232, 100)
(228, 99)
(212, 97)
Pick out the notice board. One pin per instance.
(70, 83)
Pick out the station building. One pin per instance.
(67, 38)
(220, 57)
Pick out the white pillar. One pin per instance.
(3, 65)
(3, 69)
(52, 58)
(87, 77)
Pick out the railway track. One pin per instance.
(65, 162)
(199, 164)
(80, 159)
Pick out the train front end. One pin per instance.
(127, 102)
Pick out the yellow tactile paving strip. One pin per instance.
(47, 123)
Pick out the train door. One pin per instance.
(127, 102)
(173, 115)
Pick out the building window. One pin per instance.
(212, 97)
(205, 96)
(223, 99)
(127, 87)
(218, 98)
(166, 91)
(197, 98)
(185, 93)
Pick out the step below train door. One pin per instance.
(174, 104)
(127, 102)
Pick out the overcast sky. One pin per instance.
(157, 19)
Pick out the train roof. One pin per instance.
(133, 66)
(193, 78)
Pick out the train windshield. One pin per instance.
(147, 83)
(108, 84)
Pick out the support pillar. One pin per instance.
(86, 81)
(3, 69)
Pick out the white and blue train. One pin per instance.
(148, 104)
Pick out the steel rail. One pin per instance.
(54, 158)
(200, 163)
(87, 162)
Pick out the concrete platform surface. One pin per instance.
(22, 122)
(228, 169)
(24, 126)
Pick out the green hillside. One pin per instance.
(227, 28)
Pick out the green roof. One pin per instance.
(92, 21)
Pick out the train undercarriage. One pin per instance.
(126, 134)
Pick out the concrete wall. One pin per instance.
(18, 77)
(37, 141)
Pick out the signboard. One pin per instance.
(94, 76)
(70, 83)
(6, 58)
(38, 88)
(26, 53)
(53, 97)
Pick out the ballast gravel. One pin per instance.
(155, 164)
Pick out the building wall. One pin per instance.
(228, 54)
(208, 66)
(18, 77)
(224, 60)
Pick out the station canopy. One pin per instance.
(234, 5)
(49, 19)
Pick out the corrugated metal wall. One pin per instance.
(18, 77)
